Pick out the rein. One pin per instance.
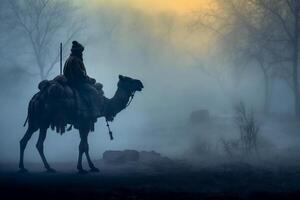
(107, 124)
(131, 97)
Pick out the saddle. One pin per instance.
(60, 98)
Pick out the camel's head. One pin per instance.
(129, 84)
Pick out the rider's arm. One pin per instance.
(79, 71)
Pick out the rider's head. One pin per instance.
(77, 49)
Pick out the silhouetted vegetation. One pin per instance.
(248, 127)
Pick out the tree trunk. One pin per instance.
(295, 65)
(267, 84)
(267, 95)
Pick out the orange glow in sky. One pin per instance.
(178, 6)
(182, 10)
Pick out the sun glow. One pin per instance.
(152, 17)
(177, 6)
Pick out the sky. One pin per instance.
(181, 10)
(154, 6)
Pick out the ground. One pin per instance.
(135, 181)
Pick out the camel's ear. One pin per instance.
(121, 77)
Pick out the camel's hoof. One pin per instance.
(50, 170)
(82, 171)
(23, 170)
(94, 169)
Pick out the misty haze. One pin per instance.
(220, 78)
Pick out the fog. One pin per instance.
(183, 70)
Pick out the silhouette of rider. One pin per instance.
(75, 72)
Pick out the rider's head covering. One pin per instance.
(77, 47)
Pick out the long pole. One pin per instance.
(60, 57)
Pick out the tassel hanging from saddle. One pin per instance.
(109, 131)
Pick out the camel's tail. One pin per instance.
(25, 121)
(27, 117)
(29, 110)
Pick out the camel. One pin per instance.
(39, 118)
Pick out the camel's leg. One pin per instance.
(83, 140)
(86, 151)
(40, 148)
(23, 143)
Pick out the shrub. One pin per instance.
(248, 131)
(248, 128)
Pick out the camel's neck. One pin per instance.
(117, 103)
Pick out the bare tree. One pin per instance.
(285, 32)
(275, 31)
(222, 25)
(262, 31)
(248, 35)
(5, 30)
(249, 130)
(45, 23)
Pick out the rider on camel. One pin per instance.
(78, 80)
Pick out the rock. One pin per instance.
(150, 159)
(131, 155)
(120, 157)
(114, 157)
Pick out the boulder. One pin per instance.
(131, 155)
(114, 157)
(149, 158)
